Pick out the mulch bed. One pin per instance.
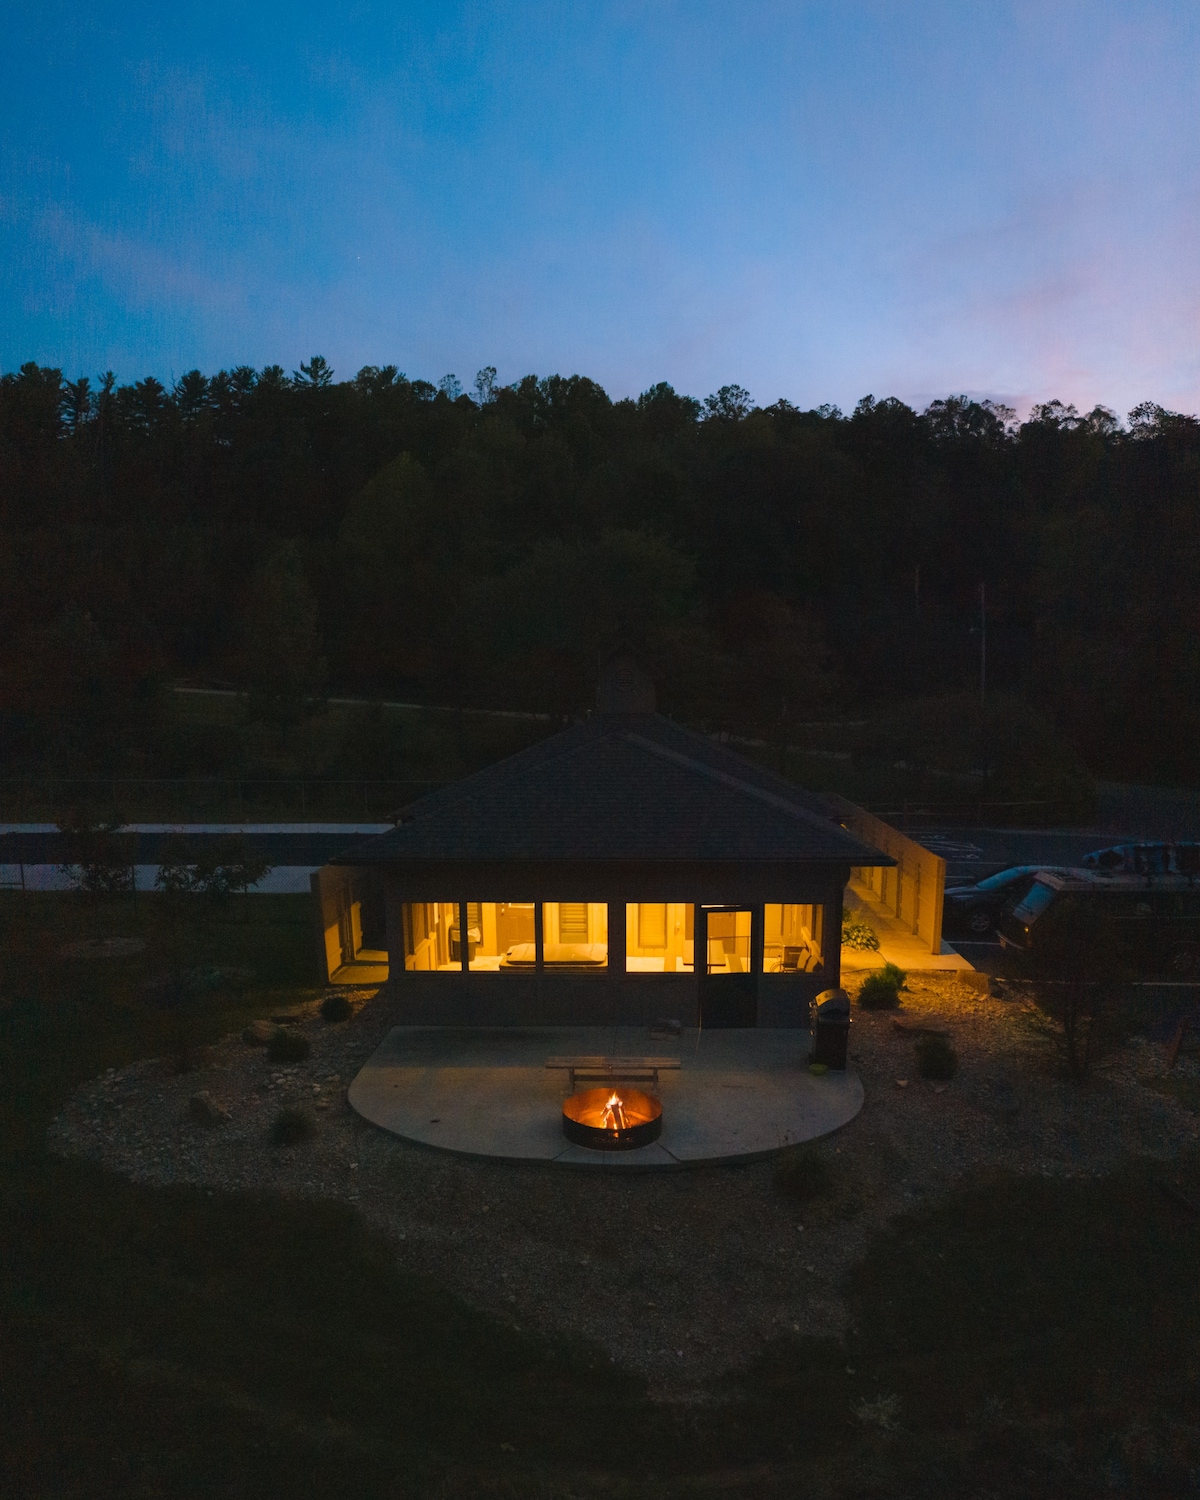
(680, 1274)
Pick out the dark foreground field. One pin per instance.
(1016, 1335)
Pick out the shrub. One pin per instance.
(288, 1046)
(336, 1008)
(879, 991)
(291, 1127)
(857, 933)
(936, 1058)
(802, 1177)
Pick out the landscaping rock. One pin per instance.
(205, 1110)
(725, 1267)
(259, 1033)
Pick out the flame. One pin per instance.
(612, 1117)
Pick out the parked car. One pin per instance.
(1147, 927)
(972, 911)
(1158, 858)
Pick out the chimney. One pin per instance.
(625, 686)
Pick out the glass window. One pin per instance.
(575, 935)
(791, 938)
(729, 942)
(1035, 903)
(660, 937)
(431, 938)
(505, 939)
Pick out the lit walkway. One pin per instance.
(898, 944)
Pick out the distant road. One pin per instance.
(1123, 814)
(31, 854)
(972, 853)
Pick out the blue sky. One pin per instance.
(814, 200)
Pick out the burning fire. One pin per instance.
(612, 1117)
(611, 1121)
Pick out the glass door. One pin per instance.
(729, 986)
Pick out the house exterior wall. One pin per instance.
(914, 888)
(614, 997)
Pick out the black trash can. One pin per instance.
(473, 939)
(831, 1028)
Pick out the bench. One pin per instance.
(612, 1069)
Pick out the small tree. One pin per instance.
(99, 856)
(214, 869)
(227, 866)
(1085, 966)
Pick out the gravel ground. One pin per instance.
(678, 1274)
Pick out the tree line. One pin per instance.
(297, 534)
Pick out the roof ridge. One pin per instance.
(501, 770)
(713, 746)
(727, 779)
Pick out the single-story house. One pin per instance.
(623, 871)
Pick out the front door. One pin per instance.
(728, 984)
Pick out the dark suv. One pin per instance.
(1152, 925)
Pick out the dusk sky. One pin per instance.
(814, 200)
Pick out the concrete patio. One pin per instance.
(485, 1091)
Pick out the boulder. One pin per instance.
(259, 1033)
(205, 1110)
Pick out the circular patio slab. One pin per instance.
(485, 1091)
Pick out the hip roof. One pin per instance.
(622, 788)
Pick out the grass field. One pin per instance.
(1020, 1337)
(197, 759)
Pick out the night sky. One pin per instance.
(815, 200)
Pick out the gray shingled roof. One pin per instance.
(619, 787)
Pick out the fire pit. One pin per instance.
(612, 1119)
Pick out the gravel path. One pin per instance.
(678, 1274)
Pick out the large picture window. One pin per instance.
(660, 937)
(575, 935)
(431, 935)
(792, 939)
(501, 936)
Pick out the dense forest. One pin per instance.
(299, 536)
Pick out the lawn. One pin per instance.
(198, 760)
(1021, 1336)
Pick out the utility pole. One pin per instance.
(982, 644)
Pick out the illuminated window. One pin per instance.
(660, 937)
(575, 935)
(506, 938)
(792, 939)
(728, 942)
(431, 935)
